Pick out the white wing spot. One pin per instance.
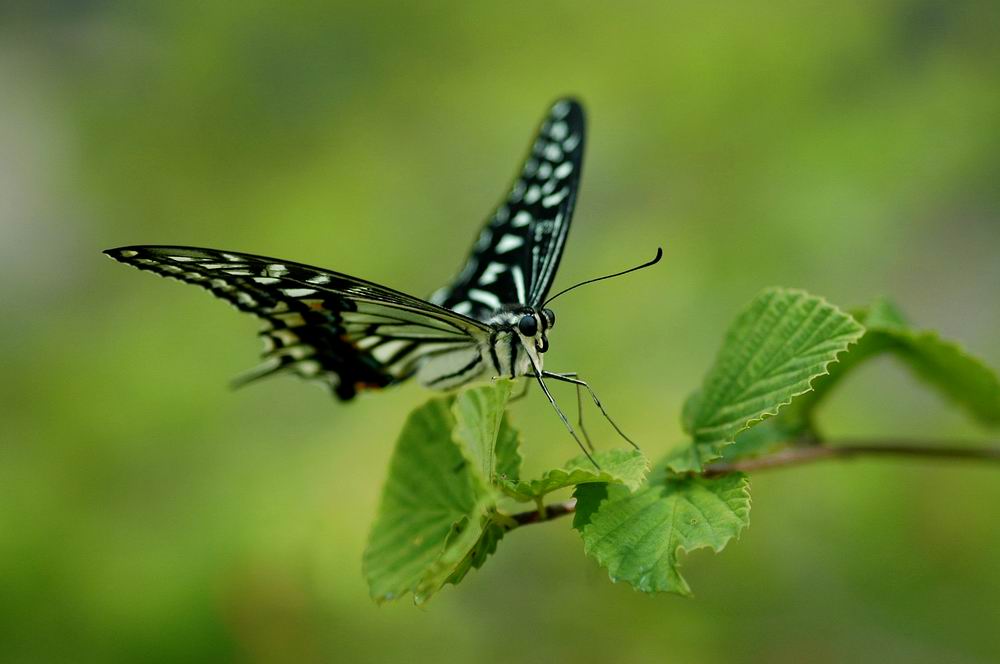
(266, 281)
(534, 193)
(276, 269)
(246, 298)
(180, 259)
(128, 253)
(564, 169)
(559, 131)
(367, 342)
(485, 297)
(490, 274)
(560, 110)
(553, 152)
(509, 242)
(530, 167)
(517, 192)
(549, 186)
(544, 171)
(230, 257)
(298, 352)
(464, 307)
(484, 238)
(385, 351)
(556, 198)
(319, 279)
(570, 143)
(171, 268)
(522, 218)
(293, 319)
(308, 368)
(286, 337)
(238, 273)
(518, 275)
(298, 292)
(470, 267)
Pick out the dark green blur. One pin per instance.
(148, 513)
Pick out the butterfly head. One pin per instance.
(533, 326)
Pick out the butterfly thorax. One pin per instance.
(515, 347)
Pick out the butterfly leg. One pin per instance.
(571, 377)
(579, 418)
(579, 409)
(562, 416)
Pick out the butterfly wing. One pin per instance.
(514, 260)
(346, 332)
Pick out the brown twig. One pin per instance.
(553, 511)
(798, 455)
(794, 456)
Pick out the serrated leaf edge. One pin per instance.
(717, 445)
(685, 589)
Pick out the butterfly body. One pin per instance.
(514, 348)
(354, 335)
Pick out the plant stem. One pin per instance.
(553, 511)
(794, 456)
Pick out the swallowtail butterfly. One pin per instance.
(353, 335)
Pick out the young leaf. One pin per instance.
(772, 353)
(763, 438)
(508, 452)
(626, 467)
(479, 415)
(433, 512)
(637, 536)
(943, 364)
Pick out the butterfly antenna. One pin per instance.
(656, 259)
(562, 415)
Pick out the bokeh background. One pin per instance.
(147, 513)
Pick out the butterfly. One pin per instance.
(353, 335)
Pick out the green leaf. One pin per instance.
(483, 548)
(638, 536)
(772, 353)
(626, 467)
(763, 438)
(479, 416)
(508, 452)
(434, 509)
(944, 365)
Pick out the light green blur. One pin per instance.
(148, 513)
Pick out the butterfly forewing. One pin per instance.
(346, 332)
(514, 260)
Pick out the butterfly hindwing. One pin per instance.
(346, 332)
(515, 258)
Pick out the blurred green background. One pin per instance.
(147, 513)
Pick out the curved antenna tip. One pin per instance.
(656, 259)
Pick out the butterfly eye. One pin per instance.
(528, 325)
(550, 317)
